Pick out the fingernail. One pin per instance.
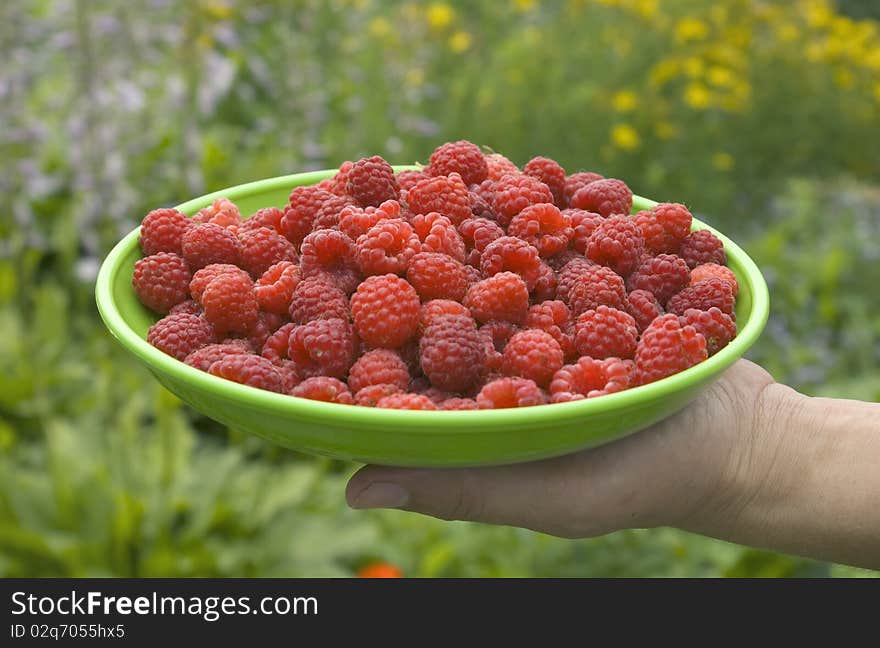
(381, 495)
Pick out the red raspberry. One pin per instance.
(617, 243)
(370, 395)
(477, 233)
(323, 347)
(553, 317)
(498, 166)
(605, 197)
(355, 221)
(406, 402)
(203, 358)
(605, 333)
(597, 286)
(701, 247)
(558, 261)
(644, 308)
(511, 254)
(274, 289)
(446, 195)
(323, 388)
(486, 191)
(662, 275)
(162, 231)
(379, 366)
(268, 217)
(179, 335)
(457, 403)
(340, 180)
(406, 180)
(589, 378)
(544, 226)
(718, 328)
(331, 254)
(451, 352)
(570, 274)
(161, 281)
(715, 271)
(190, 306)
(206, 275)
(473, 275)
(438, 234)
(230, 304)
(277, 345)
(664, 227)
(207, 244)
(436, 394)
(583, 224)
(480, 206)
(262, 248)
(249, 370)
(221, 212)
(666, 347)
(513, 193)
(437, 276)
(371, 181)
(703, 295)
(460, 157)
(503, 296)
(532, 354)
(551, 174)
(385, 310)
(546, 285)
(435, 307)
(388, 246)
(299, 215)
(290, 377)
(576, 181)
(317, 298)
(327, 216)
(502, 393)
(496, 334)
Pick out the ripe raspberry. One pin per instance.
(605, 333)
(544, 226)
(480, 206)
(388, 246)
(662, 275)
(666, 347)
(605, 197)
(497, 334)
(222, 212)
(203, 358)
(545, 286)
(323, 347)
(617, 243)
(230, 304)
(290, 377)
(570, 274)
(473, 275)
(437, 276)
(406, 180)
(251, 370)
(259, 333)
(435, 307)
(332, 206)
(406, 402)
(436, 394)
(498, 166)
(355, 221)
(268, 217)
(576, 181)
(379, 366)
(180, 335)
(460, 157)
(161, 281)
(262, 248)
(701, 247)
(202, 278)
(551, 174)
(513, 193)
(703, 295)
(190, 306)
(323, 388)
(718, 328)
(553, 317)
(477, 233)
(457, 403)
(664, 227)
(330, 253)
(715, 271)
(558, 261)
(370, 395)
(385, 310)
(644, 308)
(532, 354)
(451, 352)
(583, 224)
(503, 296)
(409, 353)
(276, 347)
(511, 254)
(162, 231)
(340, 180)
(207, 244)
(302, 209)
(438, 234)
(589, 378)
(486, 191)
(502, 393)
(274, 289)
(317, 298)
(446, 195)
(597, 286)
(371, 181)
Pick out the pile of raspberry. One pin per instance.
(467, 284)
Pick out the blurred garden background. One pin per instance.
(762, 116)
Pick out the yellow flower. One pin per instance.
(379, 27)
(218, 10)
(624, 101)
(440, 15)
(646, 8)
(696, 95)
(844, 79)
(665, 130)
(787, 32)
(690, 29)
(693, 67)
(722, 161)
(625, 137)
(721, 77)
(460, 42)
(819, 14)
(663, 71)
(524, 5)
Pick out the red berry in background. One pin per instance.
(589, 378)
(664, 227)
(605, 197)
(268, 217)
(543, 226)
(331, 254)
(499, 166)
(643, 307)
(190, 306)
(324, 347)
(703, 295)
(596, 286)
(355, 221)
(456, 403)
(481, 207)
(274, 289)
(461, 157)
(616, 243)
(718, 328)
(230, 304)
(605, 332)
(406, 402)
(181, 334)
(371, 182)
(558, 261)
(511, 254)
(203, 358)
(545, 286)
(702, 247)
(477, 233)
(302, 209)
(583, 224)
(277, 345)
(551, 174)
(262, 248)
(662, 276)
(503, 393)
(503, 296)
(438, 234)
(406, 180)
(388, 246)
(247, 369)
(317, 298)
(161, 281)
(451, 353)
(576, 181)
(437, 276)
(385, 310)
(371, 395)
(327, 216)
(446, 195)
(532, 354)
(324, 388)
(339, 181)
(666, 347)
(221, 212)
(206, 275)
(553, 317)
(571, 273)
(162, 231)
(377, 367)
(513, 193)
(715, 271)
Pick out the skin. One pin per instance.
(750, 461)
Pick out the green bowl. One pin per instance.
(413, 438)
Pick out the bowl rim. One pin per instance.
(317, 411)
